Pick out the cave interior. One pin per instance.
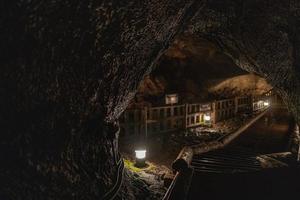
(69, 69)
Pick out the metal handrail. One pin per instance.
(176, 188)
(298, 133)
(170, 190)
(171, 187)
(180, 185)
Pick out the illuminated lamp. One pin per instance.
(207, 117)
(140, 156)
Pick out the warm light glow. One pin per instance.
(266, 103)
(171, 98)
(140, 154)
(207, 117)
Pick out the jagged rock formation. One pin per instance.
(69, 68)
(249, 84)
(197, 70)
(260, 36)
(153, 88)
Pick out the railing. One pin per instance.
(178, 190)
(171, 187)
(298, 136)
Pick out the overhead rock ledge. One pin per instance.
(260, 36)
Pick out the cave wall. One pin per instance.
(260, 36)
(69, 68)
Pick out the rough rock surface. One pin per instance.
(69, 68)
(260, 36)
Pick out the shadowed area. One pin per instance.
(235, 173)
(268, 184)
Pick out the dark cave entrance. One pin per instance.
(196, 71)
(192, 71)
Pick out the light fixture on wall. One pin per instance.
(207, 117)
(266, 103)
(171, 98)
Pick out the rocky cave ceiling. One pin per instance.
(197, 70)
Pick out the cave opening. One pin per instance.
(195, 94)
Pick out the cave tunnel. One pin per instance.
(69, 69)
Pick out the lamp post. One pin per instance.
(140, 152)
(140, 156)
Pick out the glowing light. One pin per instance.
(173, 99)
(207, 117)
(266, 103)
(140, 154)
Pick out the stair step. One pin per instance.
(222, 171)
(225, 157)
(210, 162)
(213, 166)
